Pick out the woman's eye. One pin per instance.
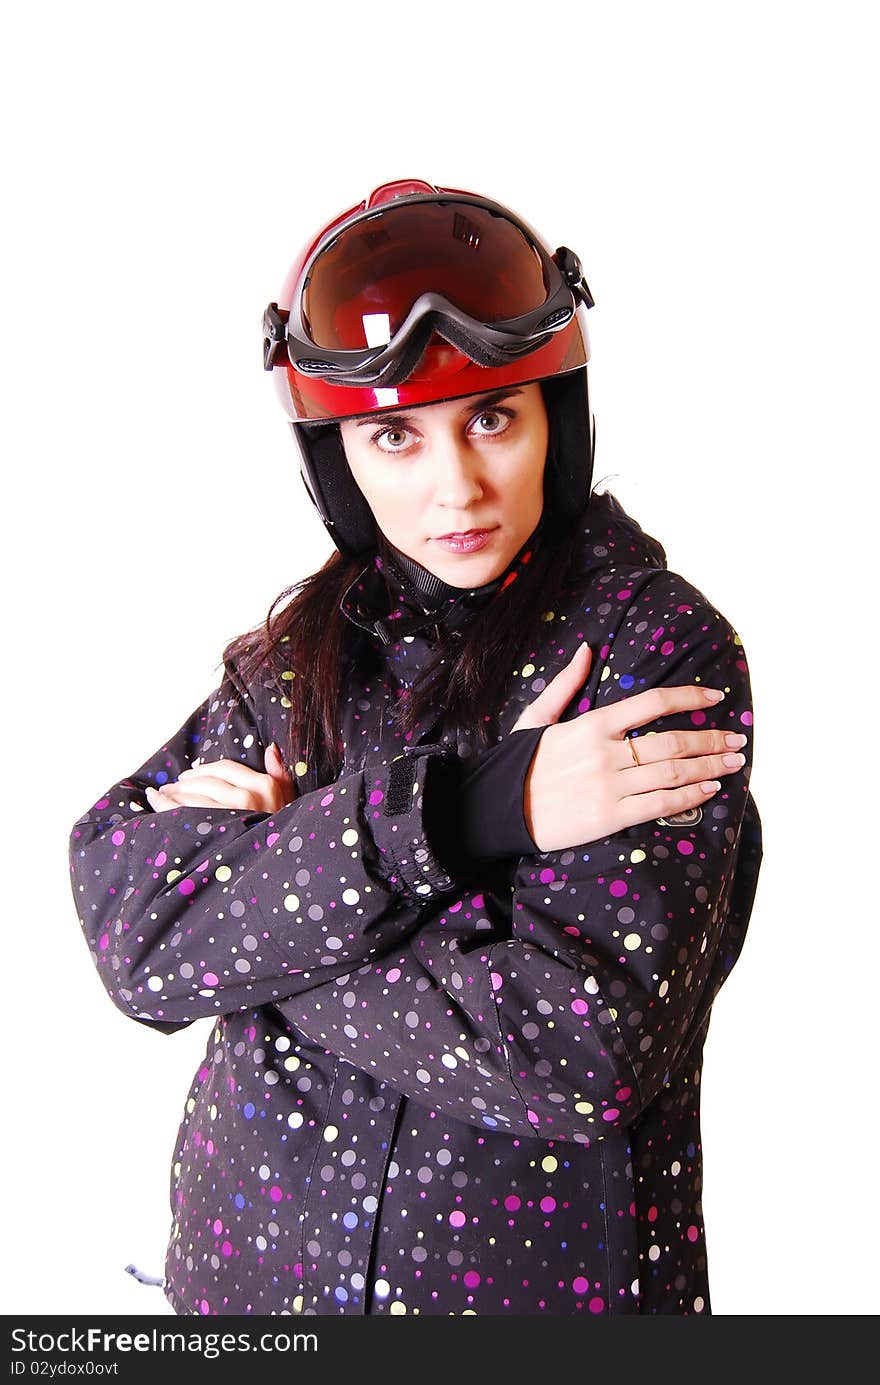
(391, 440)
(492, 421)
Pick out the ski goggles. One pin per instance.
(375, 289)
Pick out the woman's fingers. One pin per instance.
(550, 704)
(663, 803)
(226, 784)
(672, 774)
(170, 797)
(226, 795)
(671, 745)
(275, 765)
(620, 717)
(230, 770)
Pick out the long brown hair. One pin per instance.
(305, 649)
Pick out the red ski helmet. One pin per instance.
(416, 295)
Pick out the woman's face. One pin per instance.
(458, 486)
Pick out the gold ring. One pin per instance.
(632, 745)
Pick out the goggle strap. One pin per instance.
(274, 335)
(572, 272)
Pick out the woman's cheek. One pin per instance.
(406, 500)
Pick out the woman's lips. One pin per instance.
(469, 542)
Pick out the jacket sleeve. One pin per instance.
(198, 911)
(568, 1027)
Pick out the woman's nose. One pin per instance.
(456, 476)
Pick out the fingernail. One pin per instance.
(735, 740)
(710, 785)
(713, 694)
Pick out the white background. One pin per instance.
(715, 168)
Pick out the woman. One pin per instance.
(461, 849)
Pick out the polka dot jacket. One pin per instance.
(424, 1094)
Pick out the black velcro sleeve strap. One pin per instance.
(402, 776)
(398, 827)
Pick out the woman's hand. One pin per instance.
(583, 783)
(227, 784)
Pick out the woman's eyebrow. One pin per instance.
(381, 420)
(484, 401)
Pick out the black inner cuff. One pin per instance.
(474, 806)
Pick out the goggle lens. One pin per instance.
(361, 287)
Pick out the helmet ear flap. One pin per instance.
(332, 488)
(568, 475)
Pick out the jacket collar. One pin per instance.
(387, 602)
(381, 602)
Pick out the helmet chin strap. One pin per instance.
(434, 597)
(431, 594)
(430, 591)
(437, 601)
(426, 587)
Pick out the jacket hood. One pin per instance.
(610, 534)
(384, 601)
